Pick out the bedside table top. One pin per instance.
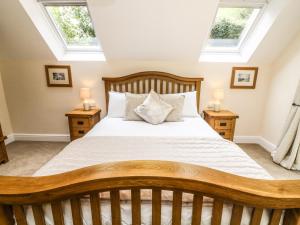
(82, 113)
(222, 113)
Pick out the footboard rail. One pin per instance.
(17, 193)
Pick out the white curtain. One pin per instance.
(287, 153)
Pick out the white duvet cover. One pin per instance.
(190, 141)
(188, 127)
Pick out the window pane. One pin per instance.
(230, 25)
(74, 24)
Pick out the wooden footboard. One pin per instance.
(18, 192)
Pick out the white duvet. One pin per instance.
(190, 141)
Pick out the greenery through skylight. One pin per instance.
(74, 24)
(230, 23)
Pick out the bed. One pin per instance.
(125, 172)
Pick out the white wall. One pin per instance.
(285, 78)
(36, 108)
(4, 115)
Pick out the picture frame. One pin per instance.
(244, 77)
(58, 75)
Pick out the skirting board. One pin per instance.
(270, 147)
(42, 137)
(10, 139)
(66, 138)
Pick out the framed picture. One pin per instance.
(58, 76)
(244, 77)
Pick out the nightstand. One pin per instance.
(223, 122)
(80, 121)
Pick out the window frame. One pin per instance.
(245, 33)
(58, 33)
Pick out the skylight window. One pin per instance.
(231, 27)
(73, 25)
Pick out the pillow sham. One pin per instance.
(190, 103)
(154, 110)
(116, 105)
(177, 102)
(132, 101)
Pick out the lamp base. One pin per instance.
(217, 107)
(86, 106)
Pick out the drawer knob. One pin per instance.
(81, 131)
(223, 124)
(222, 133)
(80, 122)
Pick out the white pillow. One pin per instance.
(116, 106)
(177, 101)
(190, 104)
(154, 110)
(133, 101)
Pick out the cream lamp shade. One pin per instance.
(85, 93)
(219, 94)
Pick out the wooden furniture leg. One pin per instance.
(6, 215)
(292, 217)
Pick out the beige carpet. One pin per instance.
(28, 157)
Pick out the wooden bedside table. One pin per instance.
(80, 122)
(223, 122)
(3, 153)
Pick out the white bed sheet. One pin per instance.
(188, 127)
(191, 141)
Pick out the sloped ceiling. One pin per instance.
(155, 29)
(19, 39)
(142, 30)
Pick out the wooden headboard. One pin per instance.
(143, 82)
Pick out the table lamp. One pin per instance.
(219, 96)
(85, 95)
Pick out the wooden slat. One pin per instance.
(173, 87)
(276, 216)
(155, 85)
(126, 87)
(95, 208)
(197, 209)
(176, 210)
(57, 213)
(114, 87)
(161, 86)
(144, 86)
(76, 211)
(236, 215)
(38, 215)
(136, 206)
(19, 215)
(186, 88)
(138, 86)
(156, 207)
(217, 212)
(167, 86)
(115, 207)
(256, 216)
(6, 214)
(190, 87)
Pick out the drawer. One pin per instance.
(80, 122)
(223, 124)
(79, 132)
(225, 133)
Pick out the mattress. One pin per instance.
(190, 141)
(188, 127)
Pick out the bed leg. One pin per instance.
(6, 215)
(292, 217)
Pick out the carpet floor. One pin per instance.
(25, 158)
